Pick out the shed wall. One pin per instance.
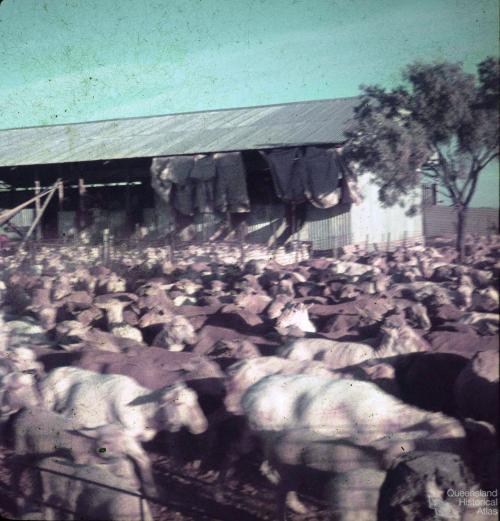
(373, 224)
(327, 229)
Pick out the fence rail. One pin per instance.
(442, 220)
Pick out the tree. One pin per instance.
(441, 124)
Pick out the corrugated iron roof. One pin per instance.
(270, 126)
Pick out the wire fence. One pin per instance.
(62, 508)
(110, 250)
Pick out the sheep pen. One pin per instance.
(206, 325)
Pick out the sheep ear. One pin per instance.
(170, 395)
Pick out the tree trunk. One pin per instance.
(461, 219)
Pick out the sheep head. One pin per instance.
(179, 408)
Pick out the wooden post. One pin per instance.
(39, 216)
(37, 208)
(60, 193)
(11, 197)
(60, 198)
(434, 194)
(128, 217)
(81, 205)
(293, 223)
(105, 245)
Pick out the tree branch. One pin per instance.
(454, 196)
(470, 176)
(475, 177)
(493, 156)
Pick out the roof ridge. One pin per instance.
(208, 111)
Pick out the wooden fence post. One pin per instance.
(38, 232)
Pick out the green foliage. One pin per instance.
(442, 124)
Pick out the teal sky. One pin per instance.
(65, 61)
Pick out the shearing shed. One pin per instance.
(272, 175)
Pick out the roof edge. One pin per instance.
(134, 118)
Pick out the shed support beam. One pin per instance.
(37, 208)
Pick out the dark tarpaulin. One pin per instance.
(323, 172)
(287, 174)
(313, 176)
(203, 174)
(231, 193)
(179, 168)
(203, 183)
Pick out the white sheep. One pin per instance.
(97, 491)
(295, 315)
(94, 399)
(314, 415)
(397, 339)
(39, 433)
(240, 376)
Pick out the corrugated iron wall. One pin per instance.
(21, 220)
(263, 221)
(327, 229)
(24, 218)
(365, 224)
(442, 220)
(373, 224)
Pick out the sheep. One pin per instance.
(70, 332)
(277, 306)
(17, 390)
(39, 433)
(426, 380)
(295, 315)
(324, 411)
(420, 290)
(177, 332)
(331, 352)
(242, 375)
(95, 491)
(23, 360)
(417, 316)
(484, 323)
(4, 334)
(353, 268)
(254, 302)
(336, 408)
(94, 399)
(354, 495)
(476, 388)
(465, 291)
(485, 300)
(114, 305)
(25, 331)
(110, 283)
(398, 338)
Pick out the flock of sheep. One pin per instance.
(370, 379)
